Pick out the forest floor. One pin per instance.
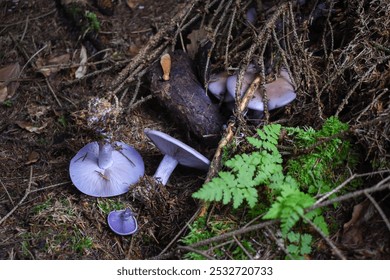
(43, 216)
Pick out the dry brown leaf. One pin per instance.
(32, 157)
(354, 228)
(196, 36)
(37, 111)
(52, 65)
(82, 70)
(7, 73)
(132, 4)
(30, 127)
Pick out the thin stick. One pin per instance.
(31, 58)
(52, 91)
(242, 248)
(382, 185)
(50, 187)
(22, 21)
(22, 200)
(6, 191)
(331, 244)
(179, 233)
(25, 30)
(190, 249)
(380, 211)
(278, 242)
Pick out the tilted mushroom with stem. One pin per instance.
(105, 168)
(175, 152)
(122, 222)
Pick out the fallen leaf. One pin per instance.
(82, 70)
(37, 111)
(7, 73)
(353, 230)
(197, 36)
(52, 65)
(30, 127)
(32, 157)
(132, 4)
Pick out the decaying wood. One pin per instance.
(185, 98)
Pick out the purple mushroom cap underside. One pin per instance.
(122, 225)
(183, 153)
(89, 178)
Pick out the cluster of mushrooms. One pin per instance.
(108, 168)
(279, 92)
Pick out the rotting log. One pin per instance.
(186, 100)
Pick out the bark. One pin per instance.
(186, 99)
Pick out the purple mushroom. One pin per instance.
(217, 85)
(279, 93)
(175, 152)
(122, 222)
(106, 169)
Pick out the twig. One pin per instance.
(235, 232)
(145, 52)
(22, 21)
(278, 243)
(50, 187)
(331, 244)
(177, 236)
(25, 29)
(139, 102)
(191, 249)
(52, 91)
(379, 209)
(242, 248)
(382, 185)
(31, 58)
(6, 191)
(22, 200)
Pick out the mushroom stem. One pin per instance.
(127, 214)
(165, 169)
(105, 155)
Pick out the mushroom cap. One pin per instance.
(122, 222)
(217, 84)
(183, 153)
(251, 15)
(231, 84)
(89, 178)
(279, 93)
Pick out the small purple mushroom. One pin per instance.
(122, 222)
(217, 84)
(175, 152)
(105, 169)
(251, 15)
(279, 93)
(231, 83)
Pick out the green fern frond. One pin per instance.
(247, 172)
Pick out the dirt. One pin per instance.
(43, 215)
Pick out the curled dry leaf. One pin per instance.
(353, 230)
(30, 127)
(82, 70)
(50, 66)
(7, 74)
(32, 157)
(37, 111)
(197, 37)
(132, 4)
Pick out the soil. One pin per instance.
(43, 216)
